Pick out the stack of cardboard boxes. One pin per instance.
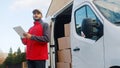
(64, 52)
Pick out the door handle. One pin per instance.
(76, 49)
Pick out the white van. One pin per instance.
(99, 22)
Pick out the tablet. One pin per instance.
(19, 31)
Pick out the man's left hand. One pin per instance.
(27, 35)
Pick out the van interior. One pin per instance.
(63, 18)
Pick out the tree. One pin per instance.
(18, 58)
(9, 59)
(10, 52)
(18, 51)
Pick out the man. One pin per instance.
(36, 42)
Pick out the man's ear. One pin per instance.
(41, 15)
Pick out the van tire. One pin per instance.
(115, 67)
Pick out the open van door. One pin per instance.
(86, 36)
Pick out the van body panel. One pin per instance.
(112, 44)
(91, 53)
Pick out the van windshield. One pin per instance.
(110, 9)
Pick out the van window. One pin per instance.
(80, 15)
(87, 23)
(110, 10)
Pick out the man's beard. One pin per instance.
(36, 19)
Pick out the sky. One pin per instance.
(17, 13)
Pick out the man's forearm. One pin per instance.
(41, 38)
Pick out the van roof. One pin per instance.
(56, 5)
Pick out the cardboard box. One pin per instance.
(67, 30)
(64, 43)
(63, 65)
(24, 65)
(65, 56)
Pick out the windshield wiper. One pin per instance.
(117, 23)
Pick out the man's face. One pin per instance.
(37, 16)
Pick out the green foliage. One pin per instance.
(14, 58)
(2, 66)
(18, 51)
(10, 53)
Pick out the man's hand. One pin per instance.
(27, 35)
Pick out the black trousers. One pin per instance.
(36, 63)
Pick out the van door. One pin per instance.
(87, 37)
